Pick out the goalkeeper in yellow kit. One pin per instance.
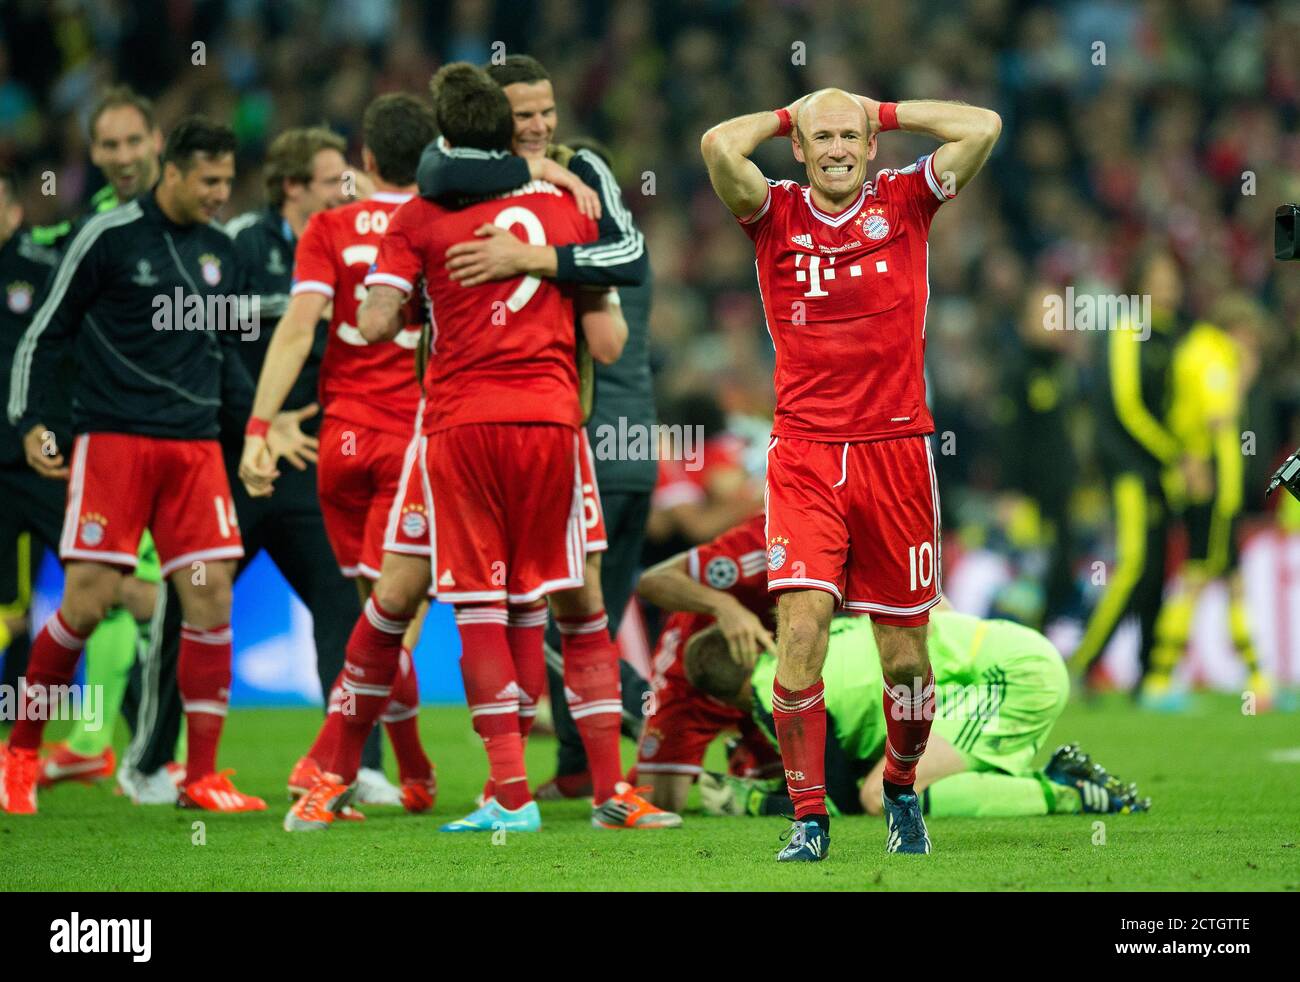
(1212, 370)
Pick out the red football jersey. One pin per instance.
(501, 352)
(735, 562)
(373, 385)
(845, 297)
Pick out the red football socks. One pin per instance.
(401, 721)
(525, 627)
(492, 691)
(373, 654)
(800, 718)
(52, 661)
(592, 689)
(203, 677)
(908, 716)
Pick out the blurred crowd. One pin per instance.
(1124, 123)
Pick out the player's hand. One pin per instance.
(495, 255)
(257, 468)
(872, 106)
(1198, 478)
(286, 438)
(43, 453)
(587, 199)
(745, 634)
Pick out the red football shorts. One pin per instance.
(357, 475)
(592, 515)
(408, 530)
(121, 484)
(683, 725)
(507, 511)
(857, 520)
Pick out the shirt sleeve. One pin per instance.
(314, 269)
(400, 262)
(758, 220)
(618, 255)
(74, 285)
(733, 562)
(453, 171)
(918, 185)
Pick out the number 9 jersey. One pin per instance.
(503, 351)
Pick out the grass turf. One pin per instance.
(1224, 787)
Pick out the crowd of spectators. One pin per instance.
(1124, 122)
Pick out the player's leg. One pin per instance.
(87, 752)
(1131, 501)
(525, 628)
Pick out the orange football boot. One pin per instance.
(215, 793)
(316, 810)
(64, 765)
(18, 770)
(420, 795)
(304, 774)
(628, 810)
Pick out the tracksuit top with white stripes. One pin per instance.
(133, 295)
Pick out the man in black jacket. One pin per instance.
(151, 294)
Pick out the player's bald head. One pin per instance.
(829, 108)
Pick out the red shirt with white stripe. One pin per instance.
(736, 563)
(845, 297)
(502, 352)
(373, 385)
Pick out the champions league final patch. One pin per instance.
(721, 572)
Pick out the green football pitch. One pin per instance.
(1226, 790)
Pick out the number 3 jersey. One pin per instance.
(373, 385)
(502, 351)
(845, 297)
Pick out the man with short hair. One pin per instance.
(371, 398)
(145, 416)
(124, 145)
(852, 503)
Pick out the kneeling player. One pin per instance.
(999, 690)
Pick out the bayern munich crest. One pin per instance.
(721, 573)
(874, 224)
(414, 525)
(20, 297)
(211, 267)
(92, 529)
(776, 557)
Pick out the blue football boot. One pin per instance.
(905, 826)
(491, 817)
(809, 843)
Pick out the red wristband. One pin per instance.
(888, 116)
(783, 118)
(257, 427)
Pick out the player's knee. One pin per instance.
(399, 593)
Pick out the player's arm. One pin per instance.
(968, 134)
(287, 352)
(601, 316)
(616, 257)
(1124, 365)
(380, 316)
(726, 149)
(670, 586)
(72, 288)
(447, 171)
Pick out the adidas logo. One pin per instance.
(570, 696)
(511, 691)
(446, 579)
(803, 241)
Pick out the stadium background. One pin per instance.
(1094, 160)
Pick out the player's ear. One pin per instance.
(871, 147)
(798, 150)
